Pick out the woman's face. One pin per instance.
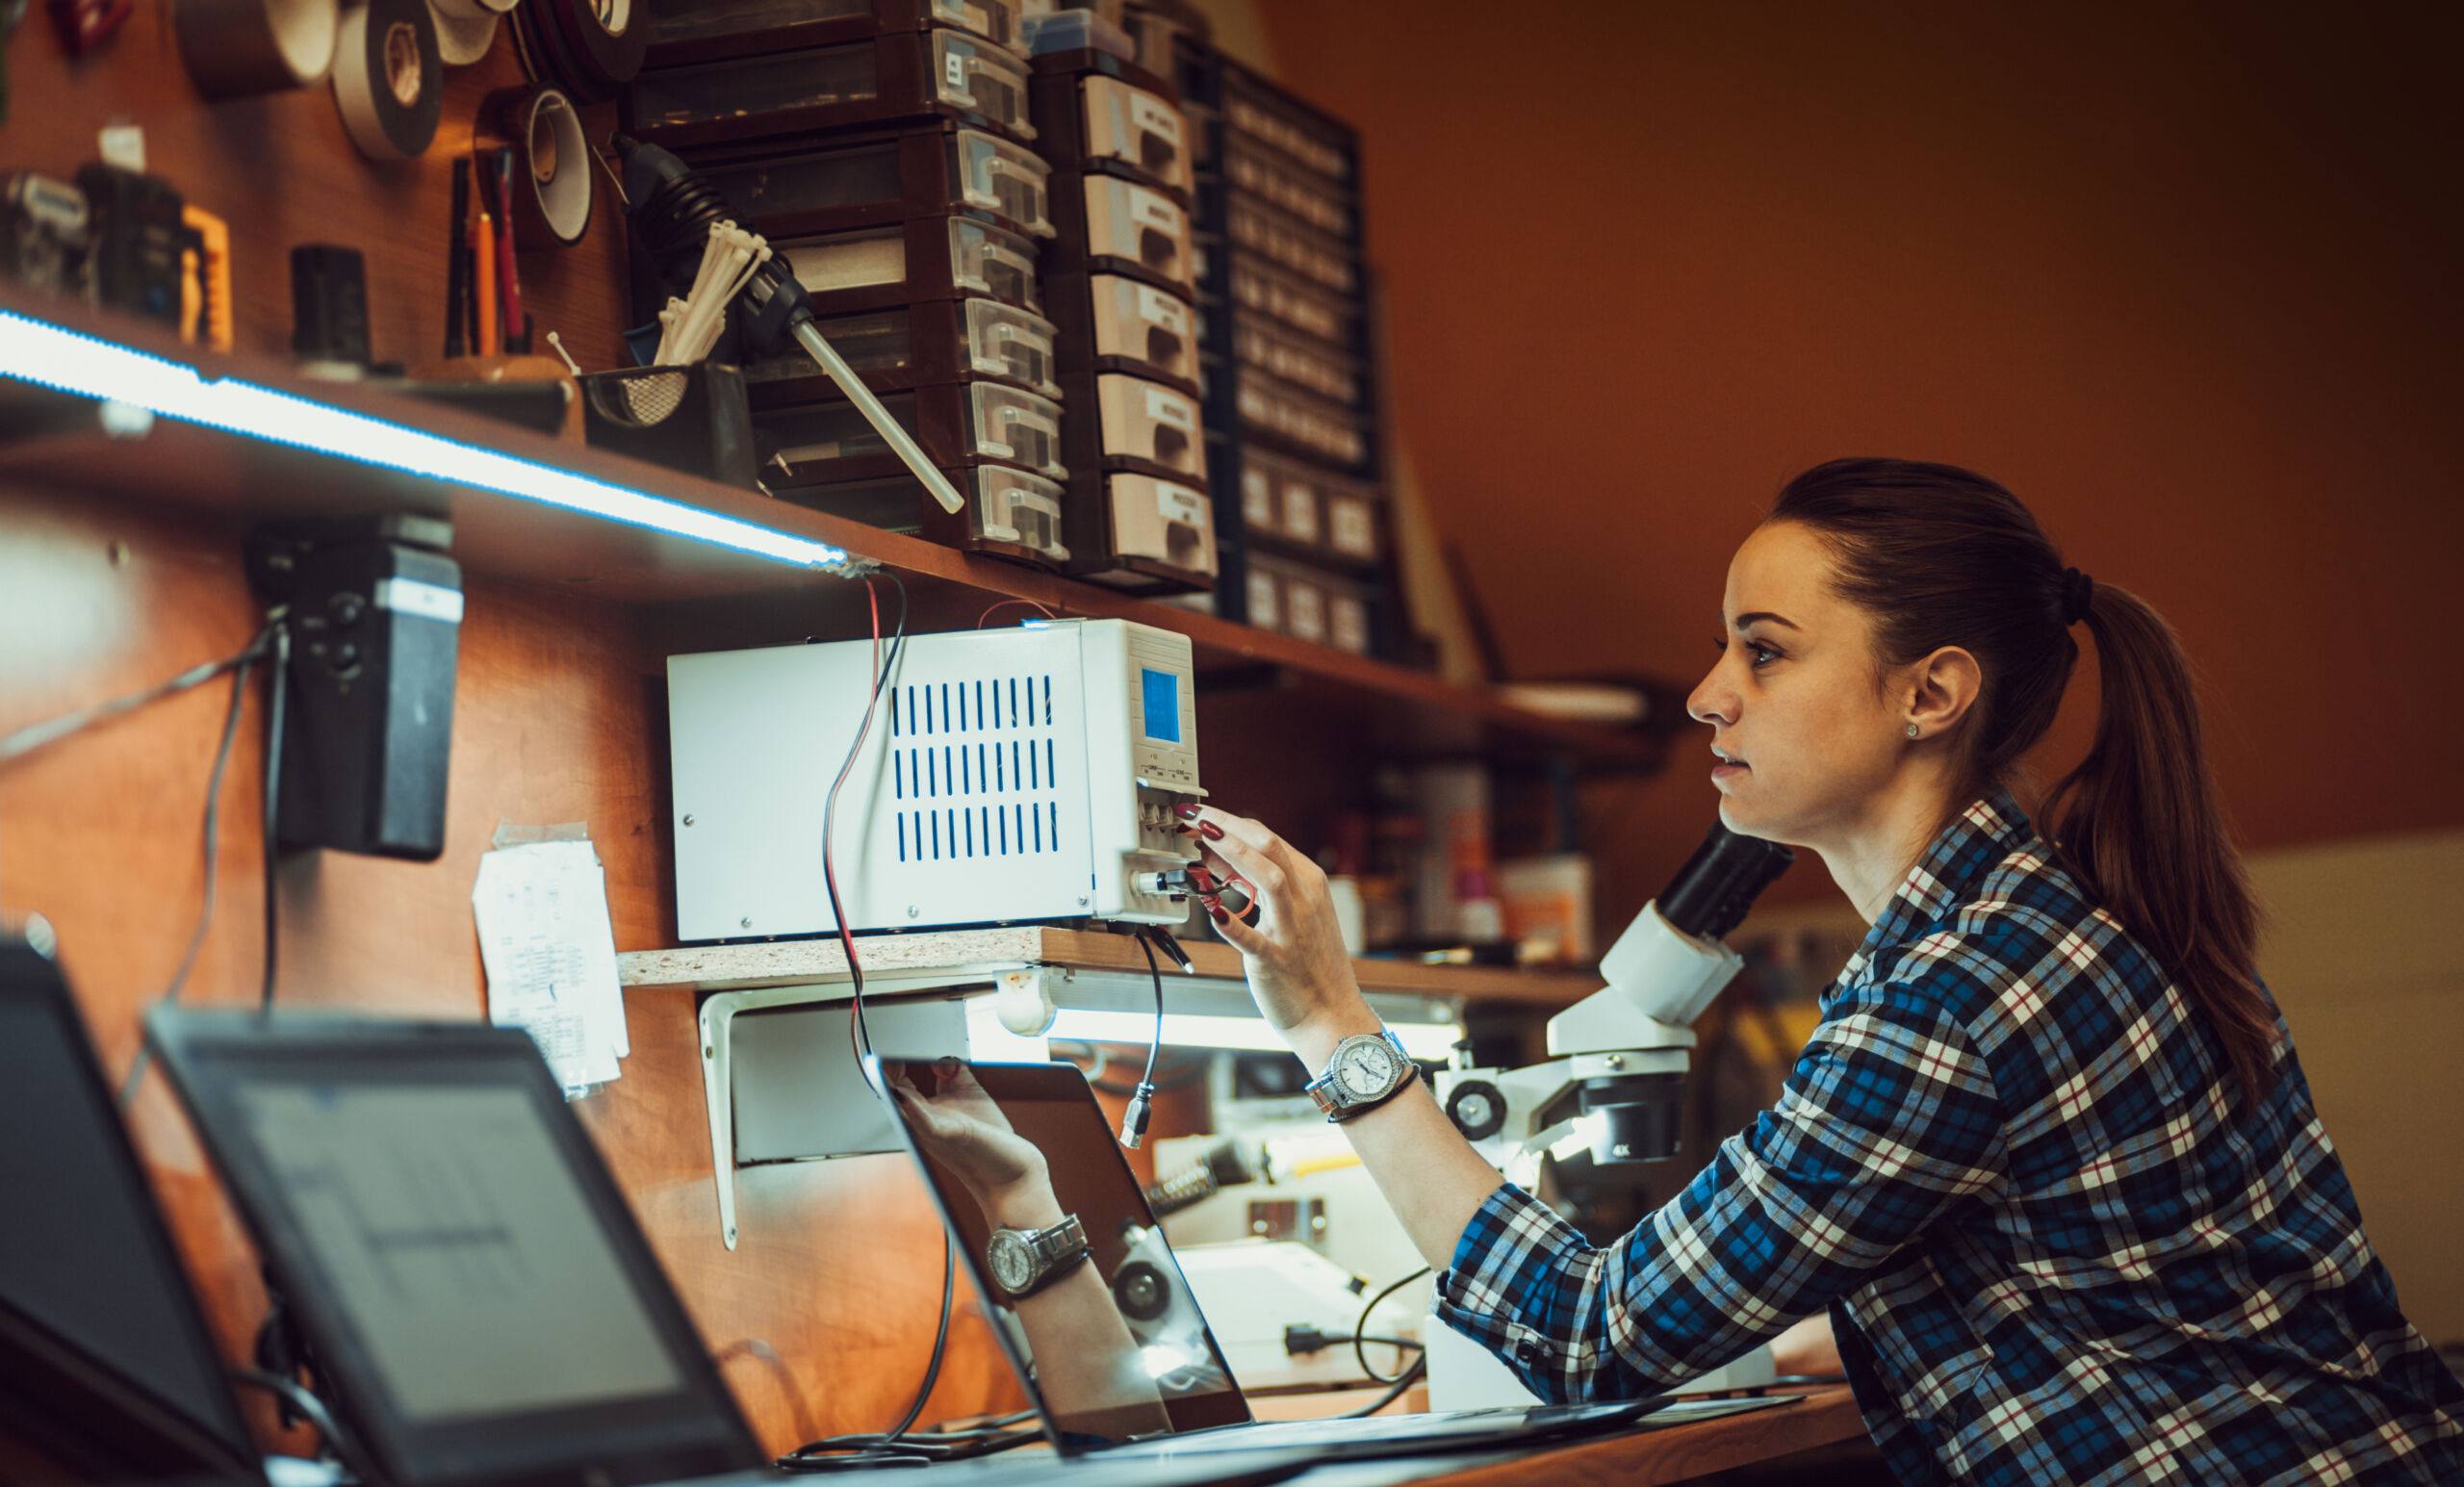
(1808, 738)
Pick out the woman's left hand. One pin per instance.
(1300, 972)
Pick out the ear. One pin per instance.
(1942, 687)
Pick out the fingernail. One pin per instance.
(1217, 910)
(1211, 831)
(1189, 812)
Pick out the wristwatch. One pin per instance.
(1023, 1260)
(1368, 1070)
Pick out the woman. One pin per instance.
(2048, 1161)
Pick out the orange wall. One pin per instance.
(2187, 278)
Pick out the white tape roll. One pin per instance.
(389, 77)
(465, 29)
(238, 48)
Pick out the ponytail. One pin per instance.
(1939, 557)
(2138, 823)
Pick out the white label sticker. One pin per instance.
(1165, 406)
(1299, 512)
(1257, 499)
(1180, 503)
(1307, 611)
(1156, 117)
(427, 601)
(954, 75)
(1350, 625)
(1158, 309)
(1349, 526)
(1145, 206)
(1262, 602)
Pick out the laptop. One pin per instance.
(107, 1368)
(482, 1305)
(1136, 1371)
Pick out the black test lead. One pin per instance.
(457, 262)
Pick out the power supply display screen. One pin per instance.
(1163, 704)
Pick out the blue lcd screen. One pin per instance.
(1163, 699)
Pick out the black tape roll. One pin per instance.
(389, 77)
(591, 48)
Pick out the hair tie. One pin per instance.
(2078, 592)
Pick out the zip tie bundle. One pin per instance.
(690, 327)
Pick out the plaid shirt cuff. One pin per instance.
(1520, 1280)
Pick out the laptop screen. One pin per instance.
(99, 1333)
(462, 1262)
(1110, 1349)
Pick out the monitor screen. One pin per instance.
(86, 1264)
(466, 1256)
(1116, 1345)
(481, 1301)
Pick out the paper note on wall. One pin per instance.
(551, 957)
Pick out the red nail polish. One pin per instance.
(1217, 910)
(1210, 830)
(1189, 812)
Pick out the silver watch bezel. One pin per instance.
(1047, 1250)
(1327, 1090)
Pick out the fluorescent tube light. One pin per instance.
(52, 356)
(1189, 1030)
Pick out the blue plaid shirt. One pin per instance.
(2010, 1162)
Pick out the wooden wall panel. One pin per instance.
(282, 172)
(558, 717)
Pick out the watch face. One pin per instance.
(1365, 1068)
(1013, 1261)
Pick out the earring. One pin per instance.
(1912, 731)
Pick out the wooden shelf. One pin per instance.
(698, 591)
(796, 961)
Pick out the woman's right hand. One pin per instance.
(1300, 973)
(961, 1127)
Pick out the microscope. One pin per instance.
(1615, 1074)
(1614, 1080)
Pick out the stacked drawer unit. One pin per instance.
(1120, 286)
(886, 148)
(1301, 524)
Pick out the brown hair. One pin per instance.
(1942, 557)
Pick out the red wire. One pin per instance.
(1007, 603)
(856, 1041)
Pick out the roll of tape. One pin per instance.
(240, 48)
(591, 48)
(552, 178)
(389, 77)
(465, 29)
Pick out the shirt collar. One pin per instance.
(1948, 874)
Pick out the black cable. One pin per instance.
(894, 1446)
(280, 681)
(36, 736)
(860, 1034)
(312, 1409)
(1142, 1100)
(1405, 1380)
(213, 851)
(1362, 1326)
(941, 1337)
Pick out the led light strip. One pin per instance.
(49, 355)
(1193, 1030)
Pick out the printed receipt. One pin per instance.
(551, 957)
